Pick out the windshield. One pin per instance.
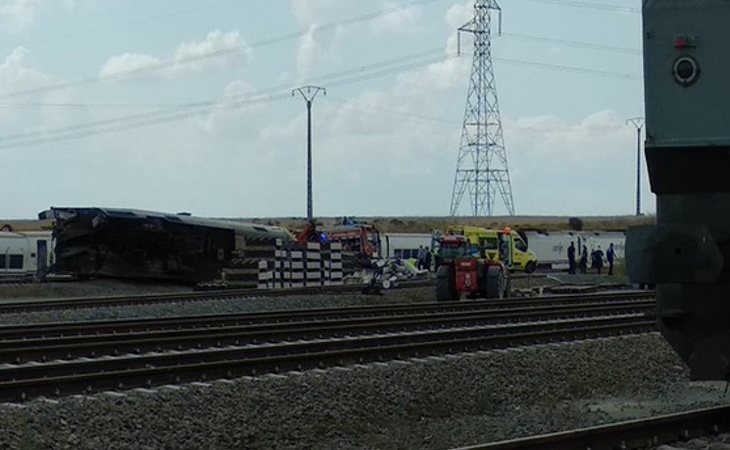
(453, 251)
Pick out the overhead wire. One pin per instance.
(564, 68)
(127, 23)
(157, 117)
(205, 104)
(371, 109)
(233, 102)
(216, 53)
(589, 5)
(576, 44)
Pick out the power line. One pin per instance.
(218, 53)
(158, 117)
(131, 22)
(380, 109)
(197, 108)
(576, 44)
(562, 68)
(418, 57)
(370, 109)
(72, 134)
(205, 104)
(589, 5)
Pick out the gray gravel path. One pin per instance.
(429, 404)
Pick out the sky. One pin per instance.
(187, 105)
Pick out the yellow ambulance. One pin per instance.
(505, 244)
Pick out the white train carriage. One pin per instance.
(403, 245)
(24, 253)
(552, 248)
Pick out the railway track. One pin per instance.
(313, 314)
(20, 306)
(92, 340)
(635, 434)
(198, 353)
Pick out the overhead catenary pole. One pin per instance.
(638, 123)
(309, 93)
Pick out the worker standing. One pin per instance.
(598, 260)
(610, 256)
(571, 259)
(421, 257)
(584, 261)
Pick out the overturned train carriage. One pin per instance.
(686, 69)
(119, 243)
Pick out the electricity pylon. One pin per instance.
(481, 169)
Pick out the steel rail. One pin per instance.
(145, 299)
(94, 345)
(628, 435)
(44, 305)
(26, 331)
(26, 381)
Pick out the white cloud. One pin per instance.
(308, 12)
(444, 75)
(453, 71)
(459, 14)
(318, 49)
(399, 20)
(216, 50)
(18, 15)
(581, 167)
(216, 41)
(77, 4)
(16, 73)
(307, 52)
(127, 62)
(227, 111)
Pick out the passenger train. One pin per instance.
(25, 253)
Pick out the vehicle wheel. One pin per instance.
(445, 284)
(530, 267)
(495, 282)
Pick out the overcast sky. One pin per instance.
(186, 105)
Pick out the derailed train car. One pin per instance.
(123, 243)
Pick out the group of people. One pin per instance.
(424, 258)
(596, 259)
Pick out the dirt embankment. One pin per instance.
(427, 224)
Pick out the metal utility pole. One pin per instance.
(309, 93)
(638, 123)
(481, 168)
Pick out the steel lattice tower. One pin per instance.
(481, 168)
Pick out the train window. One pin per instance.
(16, 262)
(2, 262)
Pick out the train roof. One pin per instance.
(184, 218)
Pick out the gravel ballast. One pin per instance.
(433, 403)
(248, 304)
